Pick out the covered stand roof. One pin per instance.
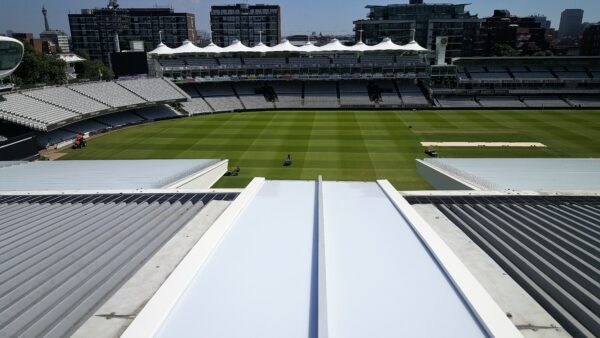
(285, 46)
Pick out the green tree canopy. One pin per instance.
(505, 50)
(37, 68)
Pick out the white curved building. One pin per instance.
(11, 54)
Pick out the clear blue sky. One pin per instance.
(298, 16)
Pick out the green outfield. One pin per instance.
(347, 145)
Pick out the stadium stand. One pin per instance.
(320, 95)
(500, 101)
(377, 59)
(190, 89)
(172, 63)
(388, 97)
(87, 126)
(195, 63)
(230, 62)
(109, 93)
(309, 61)
(196, 106)
(412, 96)
(457, 102)
(159, 112)
(537, 75)
(121, 119)
(354, 93)
(153, 89)
(68, 99)
(572, 75)
(289, 94)
(496, 76)
(265, 62)
(39, 114)
(251, 96)
(585, 102)
(54, 137)
(545, 101)
(220, 96)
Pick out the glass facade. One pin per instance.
(10, 55)
(248, 23)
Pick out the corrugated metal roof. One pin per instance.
(549, 245)
(539, 174)
(61, 256)
(91, 175)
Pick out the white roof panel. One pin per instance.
(259, 281)
(91, 175)
(381, 280)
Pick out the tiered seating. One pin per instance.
(33, 112)
(172, 63)
(345, 60)
(320, 95)
(585, 102)
(289, 94)
(220, 97)
(538, 75)
(354, 94)
(190, 89)
(120, 119)
(230, 62)
(491, 76)
(109, 93)
(501, 102)
(475, 69)
(268, 62)
(545, 101)
(55, 137)
(370, 59)
(572, 75)
(157, 112)
(247, 93)
(389, 97)
(197, 106)
(596, 75)
(153, 89)
(309, 61)
(68, 99)
(408, 60)
(412, 96)
(457, 102)
(495, 69)
(87, 126)
(201, 62)
(463, 76)
(518, 69)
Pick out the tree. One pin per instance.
(92, 69)
(543, 53)
(501, 49)
(38, 68)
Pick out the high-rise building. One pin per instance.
(59, 38)
(100, 31)
(250, 24)
(590, 40)
(570, 23)
(525, 34)
(427, 20)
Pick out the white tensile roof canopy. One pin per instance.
(285, 46)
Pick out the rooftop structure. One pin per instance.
(512, 174)
(106, 175)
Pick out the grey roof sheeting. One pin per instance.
(549, 244)
(62, 256)
(91, 175)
